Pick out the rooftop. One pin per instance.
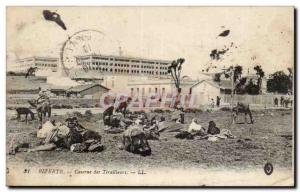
(224, 84)
(125, 57)
(83, 87)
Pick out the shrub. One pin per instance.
(77, 114)
(62, 106)
(83, 105)
(139, 112)
(225, 109)
(158, 111)
(88, 113)
(193, 110)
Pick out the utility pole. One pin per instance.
(232, 86)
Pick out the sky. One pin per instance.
(260, 35)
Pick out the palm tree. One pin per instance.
(260, 73)
(175, 70)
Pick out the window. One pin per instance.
(131, 91)
(155, 89)
(149, 89)
(143, 91)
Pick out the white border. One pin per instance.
(109, 3)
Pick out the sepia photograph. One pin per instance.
(162, 96)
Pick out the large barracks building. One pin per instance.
(120, 65)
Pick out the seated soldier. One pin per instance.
(212, 128)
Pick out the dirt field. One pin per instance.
(269, 139)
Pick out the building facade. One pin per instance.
(205, 92)
(160, 87)
(91, 91)
(42, 63)
(129, 66)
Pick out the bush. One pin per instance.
(88, 113)
(56, 106)
(62, 106)
(83, 105)
(193, 110)
(157, 111)
(77, 114)
(67, 106)
(225, 109)
(139, 112)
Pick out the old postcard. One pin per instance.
(150, 96)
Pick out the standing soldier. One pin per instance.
(276, 102)
(281, 101)
(218, 101)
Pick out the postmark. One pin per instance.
(83, 42)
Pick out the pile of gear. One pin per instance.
(135, 140)
(118, 123)
(212, 133)
(72, 136)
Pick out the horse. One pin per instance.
(24, 111)
(287, 101)
(42, 109)
(241, 108)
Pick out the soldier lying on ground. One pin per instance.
(201, 133)
(70, 137)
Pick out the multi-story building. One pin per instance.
(128, 66)
(42, 63)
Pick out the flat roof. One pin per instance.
(124, 57)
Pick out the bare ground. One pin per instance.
(269, 139)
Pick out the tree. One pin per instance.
(237, 73)
(238, 70)
(260, 73)
(251, 88)
(279, 82)
(240, 87)
(291, 76)
(217, 77)
(237, 76)
(175, 70)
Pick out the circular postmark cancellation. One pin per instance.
(268, 168)
(80, 44)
